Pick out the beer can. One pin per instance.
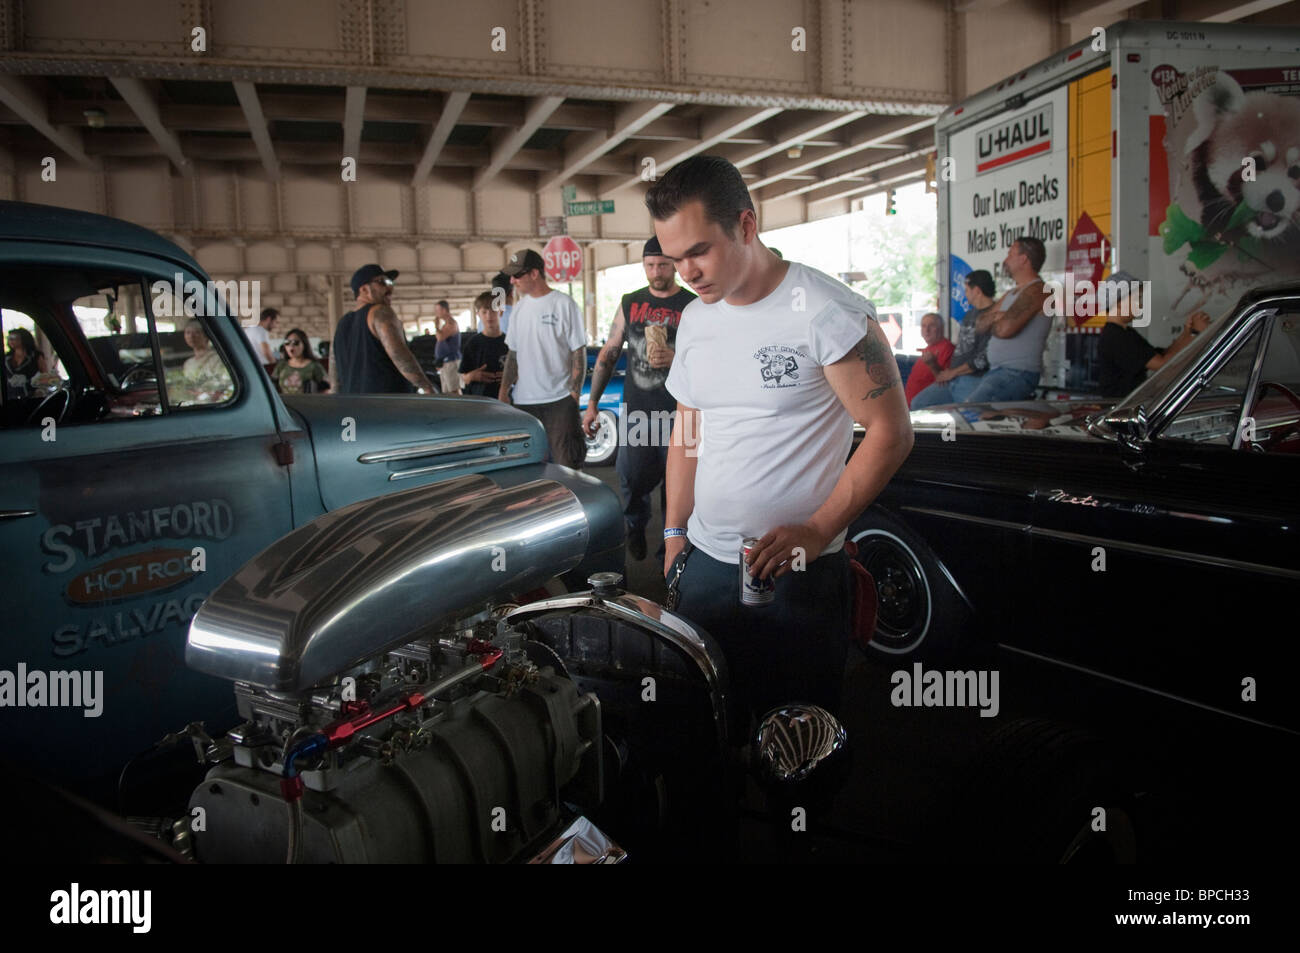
(753, 591)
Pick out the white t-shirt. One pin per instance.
(773, 436)
(543, 333)
(258, 336)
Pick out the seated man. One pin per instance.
(934, 356)
(970, 361)
(1019, 326)
(203, 378)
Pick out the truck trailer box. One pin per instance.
(1166, 151)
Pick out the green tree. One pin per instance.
(898, 253)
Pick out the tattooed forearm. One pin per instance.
(881, 366)
(389, 331)
(577, 369)
(509, 374)
(602, 373)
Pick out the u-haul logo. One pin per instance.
(1014, 140)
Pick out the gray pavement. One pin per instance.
(646, 577)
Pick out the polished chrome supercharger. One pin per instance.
(372, 576)
(399, 705)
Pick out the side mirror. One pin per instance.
(1132, 428)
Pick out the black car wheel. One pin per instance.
(602, 448)
(917, 610)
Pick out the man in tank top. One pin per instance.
(370, 350)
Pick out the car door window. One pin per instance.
(1214, 412)
(1273, 422)
(105, 348)
(196, 372)
(115, 323)
(27, 363)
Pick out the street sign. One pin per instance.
(589, 208)
(569, 193)
(552, 225)
(563, 259)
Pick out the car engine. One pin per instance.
(399, 704)
(454, 749)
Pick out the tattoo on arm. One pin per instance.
(1023, 309)
(510, 373)
(390, 334)
(881, 366)
(577, 369)
(603, 372)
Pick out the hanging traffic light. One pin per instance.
(889, 203)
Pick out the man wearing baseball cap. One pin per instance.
(547, 358)
(370, 349)
(648, 318)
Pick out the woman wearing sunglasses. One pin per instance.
(299, 373)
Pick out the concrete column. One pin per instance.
(589, 291)
(333, 311)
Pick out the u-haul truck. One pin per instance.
(1167, 151)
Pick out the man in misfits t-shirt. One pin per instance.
(641, 460)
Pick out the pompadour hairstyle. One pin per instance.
(711, 180)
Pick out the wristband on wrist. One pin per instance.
(671, 531)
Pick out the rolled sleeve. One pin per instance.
(836, 330)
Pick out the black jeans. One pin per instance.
(792, 650)
(640, 470)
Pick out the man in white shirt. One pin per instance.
(259, 335)
(547, 358)
(775, 361)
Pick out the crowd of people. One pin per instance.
(762, 394)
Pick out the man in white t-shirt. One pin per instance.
(775, 361)
(259, 335)
(547, 358)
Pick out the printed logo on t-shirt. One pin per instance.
(780, 365)
(549, 319)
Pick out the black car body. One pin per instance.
(1154, 541)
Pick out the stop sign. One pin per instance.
(563, 259)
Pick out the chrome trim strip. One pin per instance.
(15, 514)
(438, 467)
(434, 449)
(983, 520)
(1219, 561)
(1144, 688)
(1252, 380)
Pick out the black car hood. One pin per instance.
(1049, 418)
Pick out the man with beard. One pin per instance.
(370, 349)
(656, 309)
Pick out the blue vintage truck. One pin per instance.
(148, 457)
